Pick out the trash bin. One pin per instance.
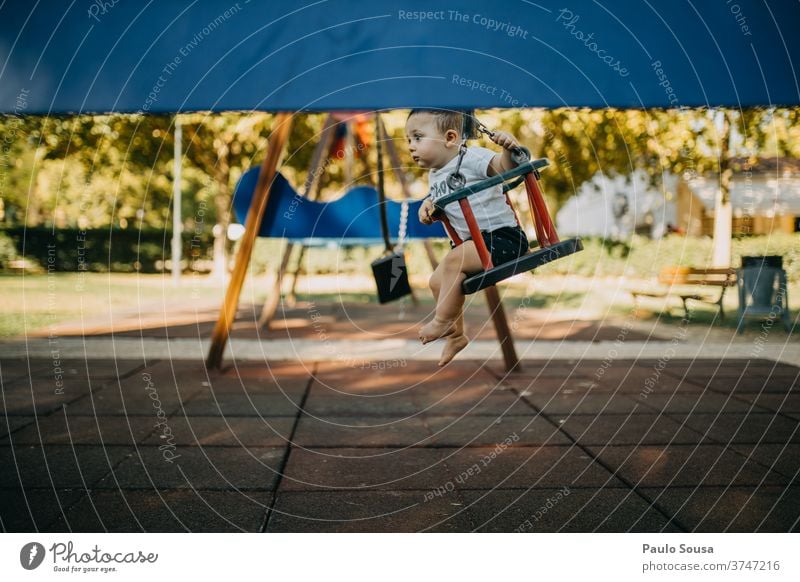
(765, 261)
(763, 291)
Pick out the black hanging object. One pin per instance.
(391, 275)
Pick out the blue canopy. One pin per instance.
(107, 55)
(352, 219)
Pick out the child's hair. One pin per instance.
(445, 119)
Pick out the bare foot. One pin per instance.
(455, 343)
(435, 329)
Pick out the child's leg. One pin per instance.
(457, 341)
(454, 343)
(446, 287)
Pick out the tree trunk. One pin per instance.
(723, 210)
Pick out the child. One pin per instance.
(434, 138)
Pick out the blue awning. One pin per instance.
(218, 55)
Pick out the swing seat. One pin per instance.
(550, 248)
(527, 262)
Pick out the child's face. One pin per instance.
(429, 147)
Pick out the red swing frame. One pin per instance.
(546, 233)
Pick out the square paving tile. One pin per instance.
(291, 388)
(366, 511)
(622, 429)
(9, 424)
(34, 397)
(250, 404)
(166, 511)
(387, 469)
(415, 377)
(34, 510)
(285, 372)
(755, 427)
(457, 431)
(540, 369)
(228, 468)
(705, 370)
(62, 382)
(651, 380)
(324, 403)
(100, 369)
(138, 395)
(354, 431)
(57, 466)
(586, 403)
(788, 404)
(685, 402)
(524, 467)
(490, 402)
(564, 510)
(548, 385)
(12, 370)
(754, 383)
(784, 458)
(227, 431)
(732, 509)
(77, 373)
(71, 429)
(685, 465)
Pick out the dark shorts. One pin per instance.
(505, 244)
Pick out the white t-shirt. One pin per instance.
(489, 206)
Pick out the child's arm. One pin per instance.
(425, 211)
(503, 162)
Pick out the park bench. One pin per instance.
(693, 284)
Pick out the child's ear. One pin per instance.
(451, 137)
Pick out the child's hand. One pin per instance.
(425, 211)
(505, 140)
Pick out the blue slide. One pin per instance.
(353, 219)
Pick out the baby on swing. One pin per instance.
(435, 141)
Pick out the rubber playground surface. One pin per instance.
(615, 443)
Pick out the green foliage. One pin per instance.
(115, 171)
(8, 251)
(102, 249)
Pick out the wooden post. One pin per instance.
(291, 297)
(314, 177)
(274, 298)
(504, 336)
(227, 314)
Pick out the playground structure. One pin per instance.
(352, 219)
(253, 58)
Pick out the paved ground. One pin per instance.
(566, 445)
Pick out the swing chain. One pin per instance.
(456, 180)
(519, 154)
(401, 239)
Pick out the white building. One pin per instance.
(765, 199)
(615, 207)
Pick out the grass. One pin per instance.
(36, 301)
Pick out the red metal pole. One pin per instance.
(451, 231)
(475, 232)
(545, 230)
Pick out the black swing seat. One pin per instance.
(526, 262)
